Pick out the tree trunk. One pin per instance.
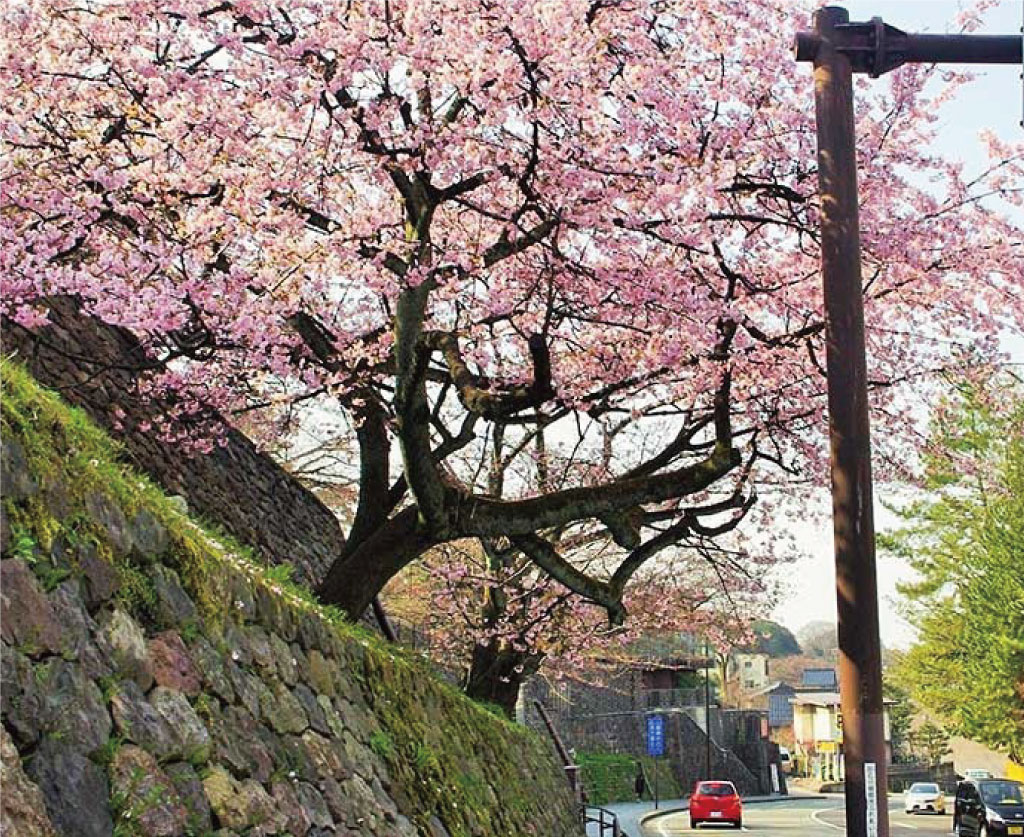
(497, 672)
(358, 576)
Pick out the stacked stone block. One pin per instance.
(131, 708)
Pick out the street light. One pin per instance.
(838, 49)
(707, 712)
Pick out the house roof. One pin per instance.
(777, 686)
(819, 678)
(823, 699)
(815, 699)
(686, 664)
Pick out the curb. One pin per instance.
(766, 800)
(658, 815)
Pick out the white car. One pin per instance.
(924, 796)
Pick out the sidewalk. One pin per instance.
(632, 814)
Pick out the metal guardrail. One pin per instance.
(607, 821)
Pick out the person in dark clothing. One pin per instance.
(641, 781)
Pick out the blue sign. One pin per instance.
(655, 735)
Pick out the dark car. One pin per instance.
(989, 807)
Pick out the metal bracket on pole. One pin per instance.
(875, 47)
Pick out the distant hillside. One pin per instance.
(790, 669)
(819, 639)
(773, 639)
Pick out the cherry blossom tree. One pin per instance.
(469, 230)
(495, 618)
(497, 624)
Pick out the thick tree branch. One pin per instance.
(473, 390)
(354, 580)
(412, 412)
(487, 517)
(374, 470)
(544, 555)
(636, 559)
(623, 527)
(504, 248)
(451, 445)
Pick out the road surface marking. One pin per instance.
(814, 816)
(661, 827)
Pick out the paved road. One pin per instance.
(804, 818)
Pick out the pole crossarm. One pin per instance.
(875, 47)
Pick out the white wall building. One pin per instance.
(818, 731)
(749, 670)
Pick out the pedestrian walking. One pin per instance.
(641, 782)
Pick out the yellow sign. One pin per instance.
(828, 747)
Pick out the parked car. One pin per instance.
(785, 760)
(716, 801)
(989, 807)
(924, 796)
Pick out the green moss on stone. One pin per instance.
(446, 756)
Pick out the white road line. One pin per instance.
(660, 825)
(905, 825)
(814, 816)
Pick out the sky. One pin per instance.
(993, 101)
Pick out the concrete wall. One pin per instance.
(605, 719)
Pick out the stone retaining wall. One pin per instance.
(158, 682)
(97, 367)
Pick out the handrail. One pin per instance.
(605, 820)
(572, 770)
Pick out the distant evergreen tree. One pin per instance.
(930, 742)
(966, 543)
(901, 713)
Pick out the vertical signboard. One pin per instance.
(655, 735)
(655, 745)
(871, 798)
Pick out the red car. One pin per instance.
(716, 802)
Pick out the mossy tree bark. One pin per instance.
(497, 672)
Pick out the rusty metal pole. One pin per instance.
(571, 768)
(707, 711)
(860, 670)
(838, 49)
